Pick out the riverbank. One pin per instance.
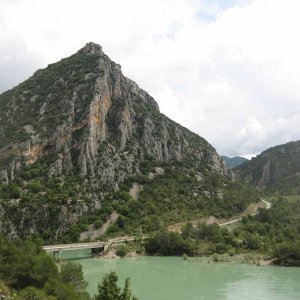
(258, 259)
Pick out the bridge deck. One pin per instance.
(78, 246)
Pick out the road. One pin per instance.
(268, 206)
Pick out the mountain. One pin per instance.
(79, 142)
(275, 170)
(232, 162)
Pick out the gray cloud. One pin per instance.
(16, 64)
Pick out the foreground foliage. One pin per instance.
(109, 290)
(28, 273)
(26, 268)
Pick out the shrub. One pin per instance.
(122, 250)
(215, 257)
(98, 223)
(168, 243)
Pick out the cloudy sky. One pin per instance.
(227, 69)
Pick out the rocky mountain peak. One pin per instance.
(91, 48)
(70, 108)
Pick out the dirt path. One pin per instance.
(252, 210)
(93, 233)
(267, 206)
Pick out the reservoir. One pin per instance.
(164, 278)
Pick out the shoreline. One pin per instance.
(247, 258)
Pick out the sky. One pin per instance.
(228, 70)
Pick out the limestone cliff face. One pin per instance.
(85, 111)
(275, 170)
(82, 117)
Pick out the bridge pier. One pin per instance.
(56, 254)
(97, 251)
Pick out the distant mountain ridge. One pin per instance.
(232, 162)
(275, 170)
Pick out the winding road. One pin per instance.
(268, 206)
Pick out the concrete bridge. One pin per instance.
(99, 245)
(57, 249)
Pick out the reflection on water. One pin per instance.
(163, 278)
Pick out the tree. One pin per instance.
(43, 269)
(253, 242)
(109, 290)
(188, 231)
(168, 243)
(71, 273)
(60, 290)
(122, 250)
(32, 293)
(25, 266)
(283, 251)
(126, 293)
(5, 292)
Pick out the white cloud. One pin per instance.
(228, 70)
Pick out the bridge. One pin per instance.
(78, 246)
(101, 245)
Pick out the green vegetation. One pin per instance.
(109, 290)
(170, 197)
(274, 233)
(174, 196)
(122, 250)
(30, 273)
(47, 90)
(37, 194)
(168, 243)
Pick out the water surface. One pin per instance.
(164, 278)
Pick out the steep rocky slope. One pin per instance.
(276, 170)
(75, 133)
(84, 110)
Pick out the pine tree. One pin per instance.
(109, 290)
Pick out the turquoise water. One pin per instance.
(164, 278)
